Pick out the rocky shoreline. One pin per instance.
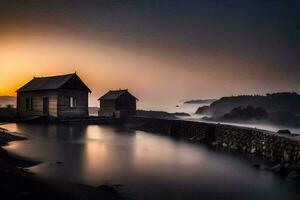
(17, 183)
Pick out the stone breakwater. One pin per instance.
(269, 145)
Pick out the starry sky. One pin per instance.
(161, 50)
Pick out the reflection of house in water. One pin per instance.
(64, 96)
(117, 103)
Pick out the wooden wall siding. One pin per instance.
(37, 103)
(64, 109)
(126, 102)
(115, 108)
(107, 108)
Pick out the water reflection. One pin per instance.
(149, 166)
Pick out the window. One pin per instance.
(72, 102)
(29, 104)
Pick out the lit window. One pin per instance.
(72, 102)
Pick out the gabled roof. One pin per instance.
(48, 83)
(115, 94)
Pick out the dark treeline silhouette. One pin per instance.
(278, 108)
(200, 101)
(248, 113)
(276, 102)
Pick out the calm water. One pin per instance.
(148, 166)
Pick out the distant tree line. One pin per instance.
(248, 113)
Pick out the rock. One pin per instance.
(284, 131)
(253, 150)
(257, 165)
(276, 168)
(279, 169)
(294, 175)
(192, 138)
(182, 114)
(207, 118)
(203, 110)
(214, 144)
(108, 188)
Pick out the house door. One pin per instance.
(46, 106)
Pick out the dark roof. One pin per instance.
(48, 83)
(115, 94)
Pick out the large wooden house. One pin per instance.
(64, 96)
(117, 103)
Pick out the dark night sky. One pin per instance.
(243, 46)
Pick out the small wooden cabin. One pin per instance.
(117, 103)
(64, 96)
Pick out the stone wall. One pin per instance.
(269, 145)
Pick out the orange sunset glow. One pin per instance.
(159, 69)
